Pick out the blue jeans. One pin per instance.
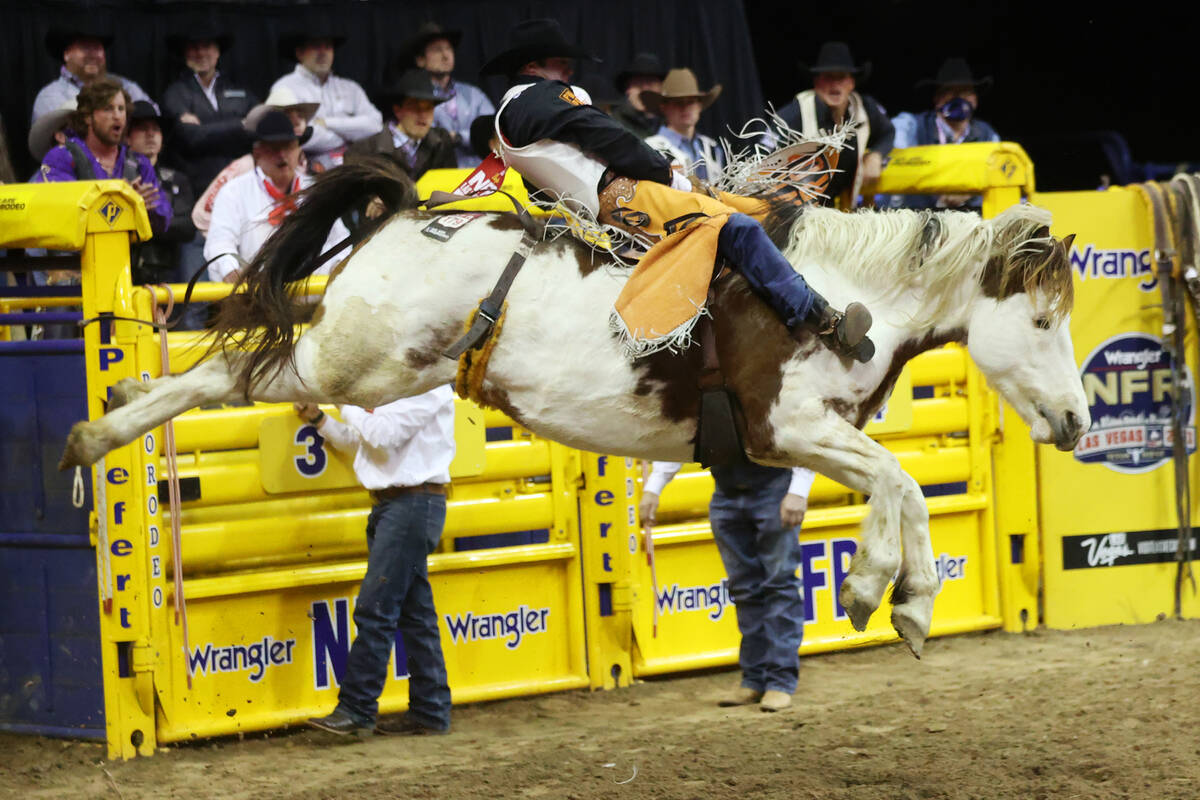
(745, 244)
(396, 595)
(761, 558)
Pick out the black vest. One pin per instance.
(84, 171)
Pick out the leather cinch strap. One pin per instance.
(489, 309)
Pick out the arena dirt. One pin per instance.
(1101, 713)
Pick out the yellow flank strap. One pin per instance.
(473, 363)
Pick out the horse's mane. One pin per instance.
(889, 251)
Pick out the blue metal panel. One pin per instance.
(50, 674)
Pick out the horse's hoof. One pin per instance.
(81, 444)
(124, 392)
(859, 599)
(911, 631)
(858, 609)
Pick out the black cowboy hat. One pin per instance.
(288, 42)
(201, 32)
(642, 64)
(428, 32)
(955, 72)
(143, 110)
(836, 57)
(415, 83)
(274, 126)
(59, 39)
(531, 40)
(483, 128)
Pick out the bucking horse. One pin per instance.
(1001, 286)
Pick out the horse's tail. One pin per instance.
(261, 315)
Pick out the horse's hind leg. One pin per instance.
(137, 408)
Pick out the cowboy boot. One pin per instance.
(843, 332)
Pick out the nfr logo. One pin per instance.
(1127, 381)
(332, 640)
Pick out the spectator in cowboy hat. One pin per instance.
(204, 108)
(833, 101)
(50, 129)
(344, 114)
(644, 73)
(160, 259)
(410, 138)
(680, 103)
(280, 99)
(951, 120)
(81, 50)
(432, 49)
(251, 206)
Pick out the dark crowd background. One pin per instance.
(1065, 73)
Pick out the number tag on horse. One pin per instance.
(447, 225)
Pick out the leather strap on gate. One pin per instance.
(1173, 330)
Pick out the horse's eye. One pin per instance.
(1043, 323)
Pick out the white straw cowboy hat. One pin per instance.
(680, 84)
(41, 133)
(281, 98)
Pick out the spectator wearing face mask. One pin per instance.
(952, 120)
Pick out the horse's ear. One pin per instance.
(1067, 241)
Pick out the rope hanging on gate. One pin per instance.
(175, 499)
(77, 490)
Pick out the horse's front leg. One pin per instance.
(819, 439)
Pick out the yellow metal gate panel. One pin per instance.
(270, 656)
(1107, 509)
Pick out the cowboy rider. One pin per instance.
(550, 133)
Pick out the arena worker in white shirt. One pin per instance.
(402, 453)
(345, 113)
(249, 207)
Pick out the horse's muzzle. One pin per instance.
(1067, 427)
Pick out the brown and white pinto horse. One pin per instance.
(1002, 286)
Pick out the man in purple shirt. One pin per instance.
(95, 150)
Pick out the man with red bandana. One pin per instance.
(251, 206)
